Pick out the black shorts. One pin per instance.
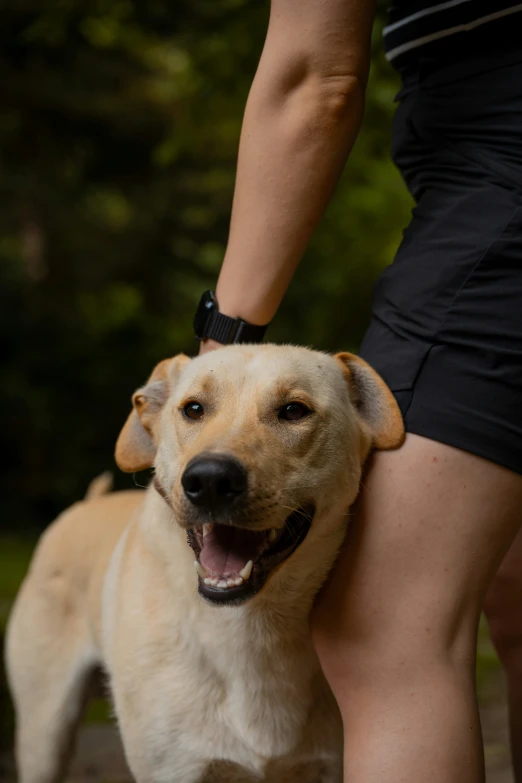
(446, 328)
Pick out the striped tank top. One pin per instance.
(444, 30)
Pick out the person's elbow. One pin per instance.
(303, 86)
(339, 95)
(319, 102)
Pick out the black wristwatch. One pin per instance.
(209, 323)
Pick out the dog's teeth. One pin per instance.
(272, 535)
(206, 529)
(222, 583)
(199, 568)
(247, 570)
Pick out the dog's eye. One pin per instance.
(293, 411)
(193, 410)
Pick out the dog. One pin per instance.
(194, 596)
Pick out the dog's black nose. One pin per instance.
(214, 481)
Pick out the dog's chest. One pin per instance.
(252, 719)
(276, 729)
(251, 709)
(264, 711)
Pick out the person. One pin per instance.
(395, 628)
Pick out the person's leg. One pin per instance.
(395, 627)
(503, 607)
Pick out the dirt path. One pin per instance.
(495, 731)
(99, 757)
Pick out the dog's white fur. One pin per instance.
(222, 694)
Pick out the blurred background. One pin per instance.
(119, 127)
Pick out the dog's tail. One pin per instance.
(99, 486)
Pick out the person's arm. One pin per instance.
(301, 119)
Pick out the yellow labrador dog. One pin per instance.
(194, 596)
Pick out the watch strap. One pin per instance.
(226, 330)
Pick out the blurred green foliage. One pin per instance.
(119, 126)
(15, 553)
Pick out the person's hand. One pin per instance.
(208, 345)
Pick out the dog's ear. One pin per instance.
(136, 445)
(376, 407)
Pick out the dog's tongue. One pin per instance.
(226, 550)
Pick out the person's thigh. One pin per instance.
(431, 528)
(395, 627)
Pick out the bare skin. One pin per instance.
(503, 608)
(302, 116)
(396, 626)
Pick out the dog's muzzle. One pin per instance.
(234, 562)
(214, 482)
(232, 559)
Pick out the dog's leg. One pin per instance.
(49, 664)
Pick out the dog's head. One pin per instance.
(252, 447)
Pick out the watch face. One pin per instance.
(207, 304)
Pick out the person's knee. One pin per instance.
(404, 647)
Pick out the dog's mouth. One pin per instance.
(233, 563)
